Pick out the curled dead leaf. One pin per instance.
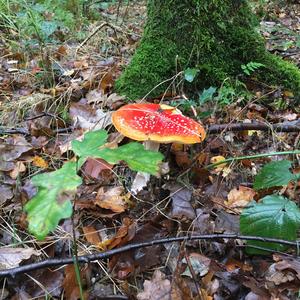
(91, 235)
(113, 199)
(221, 167)
(239, 198)
(12, 257)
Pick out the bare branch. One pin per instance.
(103, 255)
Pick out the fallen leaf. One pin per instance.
(97, 168)
(221, 167)
(114, 101)
(239, 198)
(226, 222)
(6, 166)
(124, 234)
(278, 278)
(12, 257)
(140, 181)
(199, 263)
(89, 118)
(158, 288)
(126, 263)
(233, 264)
(39, 162)
(287, 264)
(81, 64)
(181, 203)
(112, 199)
(12, 148)
(19, 168)
(91, 235)
(70, 284)
(181, 156)
(47, 282)
(106, 82)
(95, 97)
(6, 193)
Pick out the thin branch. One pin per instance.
(103, 255)
(279, 127)
(97, 29)
(212, 129)
(5, 131)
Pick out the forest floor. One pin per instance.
(53, 94)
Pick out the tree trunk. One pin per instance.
(214, 36)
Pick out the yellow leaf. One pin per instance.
(221, 167)
(40, 162)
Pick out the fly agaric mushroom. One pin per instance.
(157, 122)
(154, 124)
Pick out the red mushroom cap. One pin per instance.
(157, 122)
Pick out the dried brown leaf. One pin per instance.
(112, 199)
(97, 167)
(6, 193)
(19, 168)
(181, 203)
(158, 288)
(239, 198)
(89, 118)
(91, 235)
(12, 257)
(70, 284)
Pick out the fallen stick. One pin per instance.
(106, 254)
(212, 129)
(293, 126)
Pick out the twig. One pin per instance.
(24, 131)
(213, 129)
(103, 255)
(279, 127)
(44, 114)
(98, 28)
(4, 131)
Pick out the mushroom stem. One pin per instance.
(151, 145)
(141, 179)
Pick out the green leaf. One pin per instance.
(134, 154)
(190, 74)
(52, 201)
(275, 217)
(207, 94)
(276, 173)
(90, 145)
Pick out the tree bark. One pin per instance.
(214, 36)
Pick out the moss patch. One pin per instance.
(215, 36)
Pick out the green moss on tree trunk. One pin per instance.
(215, 36)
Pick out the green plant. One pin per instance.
(251, 67)
(274, 216)
(190, 74)
(56, 189)
(207, 95)
(41, 21)
(184, 104)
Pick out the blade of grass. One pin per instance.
(233, 159)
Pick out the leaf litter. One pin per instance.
(114, 207)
